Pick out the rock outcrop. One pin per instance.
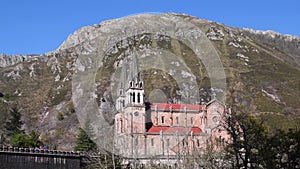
(261, 68)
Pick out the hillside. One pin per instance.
(261, 73)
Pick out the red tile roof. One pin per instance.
(166, 106)
(171, 130)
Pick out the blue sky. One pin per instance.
(37, 26)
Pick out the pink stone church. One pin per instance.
(162, 131)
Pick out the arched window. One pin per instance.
(198, 143)
(141, 84)
(133, 97)
(130, 99)
(184, 142)
(138, 97)
(121, 125)
(162, 119)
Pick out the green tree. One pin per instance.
(248, 138)
(21, 140)
(14, 133)
(84, 142)
(88, 128)
(14, 124)
(282, 150)
(253, 146)
(105, 158)
(34, 139)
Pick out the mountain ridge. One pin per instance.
(78, 37)
(261, 67)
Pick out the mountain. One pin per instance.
(55, 91)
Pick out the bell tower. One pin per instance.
(135, 85)
(131, 97)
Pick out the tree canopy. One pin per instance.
(84, 142)
(15, 136)
(252, 145)
(14, 124)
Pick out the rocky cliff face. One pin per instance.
(6, 61)
(288, 43)
(261, 69)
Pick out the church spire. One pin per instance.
(123, 78)
(134, 69)
(131, 88)
(134, 78)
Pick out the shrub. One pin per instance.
(60, 116)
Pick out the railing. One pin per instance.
(6, 149)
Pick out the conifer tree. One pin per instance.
(14, 133)
(88, 128)
(14, 125)
(84, 142)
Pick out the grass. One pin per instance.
(279, 121)
(266, 104)
(265, 71)
(58, 98)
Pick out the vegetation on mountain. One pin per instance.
(24, 140)
(84, 142)
(14, 124)
(262, 76)
(15, 136)
(254, 145)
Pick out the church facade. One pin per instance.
(145, 130)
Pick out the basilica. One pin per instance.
(163, 131)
